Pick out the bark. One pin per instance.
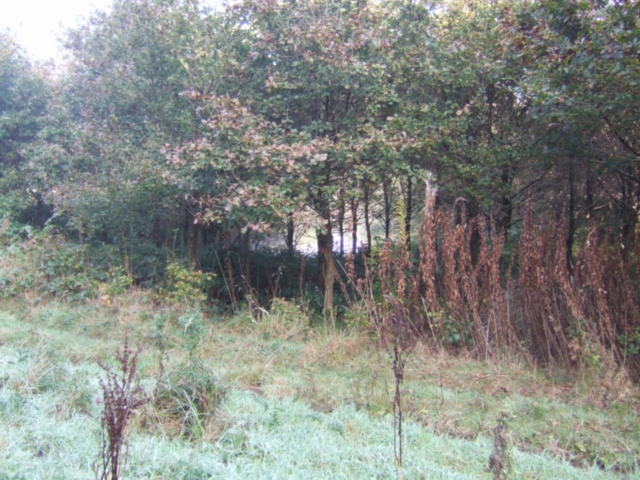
(386, 191)
(354, 226)
(290, 233)
(247, 261)
(185, 228)
(341, 226)
(230, 285)
(572, 218)
(408, 212)
(204, 234)
(507, 204)
(325, 259)
(40, 213)
(192, 243)
(629, 214)
(367, 220)
(589, 186)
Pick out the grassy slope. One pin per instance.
(299, 404)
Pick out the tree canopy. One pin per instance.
(174, 124)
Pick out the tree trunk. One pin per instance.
(367, 221)
(507, 204)
(290, 233)
(589, 185)
(231, 288)
(629, 213)
(192, 243)
(247, 261)
(408, 212)
(572, 218)
(185, 229)
(325, 259)
(40, 213)
(341, 226)
(386, 191)
(354, 226)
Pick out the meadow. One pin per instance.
(273, 397)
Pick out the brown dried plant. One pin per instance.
(121, 397)
(499, 460)
(400, 340)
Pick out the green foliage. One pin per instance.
(285, 320)
(356, 317)
(630, 343)
(24, 95)
(583, 346)
(185, 285)
(48, 265)
(191, 329)
(120, 281)
(450, 332)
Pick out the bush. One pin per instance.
(181, 284)
(186, 399)
(48, 265)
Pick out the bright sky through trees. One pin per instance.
(38, 24)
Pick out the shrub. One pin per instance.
(186, 399)
(181, 284)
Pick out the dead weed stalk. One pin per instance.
(121, 397)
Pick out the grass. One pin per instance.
(291, 402)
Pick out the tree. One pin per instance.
(313, 68)
(24, 96)
(582, 67)
(126, 91)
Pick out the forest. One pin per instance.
(477, 162)
(451, 176)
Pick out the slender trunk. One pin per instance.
(507, 204)
(629, 213)
(290, 233)
(230, 286)
(185, 229)
(457, 212)
(192, 244)
(247, 261)
(325, 258)
(367, 221)
(40, 213)
(341, 226)
(589, 197)
(387, 208)
(408, 212)
(204, 234)
(572, 218)
(354, 226)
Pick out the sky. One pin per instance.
(37, 24)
